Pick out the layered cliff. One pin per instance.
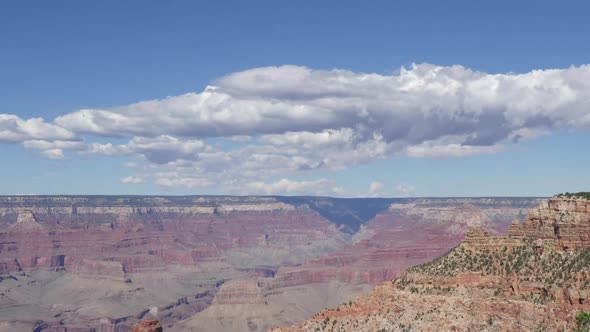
(136, 235)
(148, 326)
(103, 262)
(535, 279)
(563, 221)
(215, 262)
(407, 233)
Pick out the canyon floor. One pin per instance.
(216, 263)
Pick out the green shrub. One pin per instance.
(583, 321)
(582, 194)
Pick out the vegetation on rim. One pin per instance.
(552, 268)
(581, 194)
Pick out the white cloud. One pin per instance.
(426, 150)
(57, 144)
(14, 129)
(310, 140)
(286, 186)
(425, 102)
(53, 154)
(132, 180)
(375, 189)
(240, 138)
(405, 190)
(130, 164)
(282, 121)
(53, 149)
(159, 150)
(175, 179)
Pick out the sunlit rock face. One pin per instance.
(563, 221)
(148, 325)
(82, 262)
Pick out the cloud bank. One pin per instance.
(292, 121)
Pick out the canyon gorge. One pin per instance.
(226, 263)
(535, 278)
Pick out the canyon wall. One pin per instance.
(534, 279)
(406, 233)
(565, 222)
(106, 262)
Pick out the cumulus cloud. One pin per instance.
(286, 186)
(424, 102)
(281, 121)
(310, 140)
(375, 188)
(405, 190)
(133, 179)
(53, 149)
(427, 150)
(58, 144)
(53, 154)
(159, 150)
(14, 129)
(178, 179)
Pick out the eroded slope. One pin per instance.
(535, 279)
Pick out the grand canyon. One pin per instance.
(534, 278)
(219, 263)
(294, 166)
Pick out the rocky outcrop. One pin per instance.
(562, 221)
(148, 326)
(240, 292)
(96, 269)
(26, 221)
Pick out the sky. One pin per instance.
(335, 98)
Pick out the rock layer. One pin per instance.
(406, 234)
(565, 222)
(148, 326)
(534, 279)
(108, 262)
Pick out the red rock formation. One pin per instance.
(148, 326)
(209, 240)
(565, 222)
(91, 268)
(143, 247)
(26, 221)
(407, 234)
(534, 279)
(240, 292)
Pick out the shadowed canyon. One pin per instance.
(216, 263)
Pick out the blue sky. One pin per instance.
(299, 134)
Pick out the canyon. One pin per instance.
(535, 278)
(222, 263)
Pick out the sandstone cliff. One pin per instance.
(562, 221)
